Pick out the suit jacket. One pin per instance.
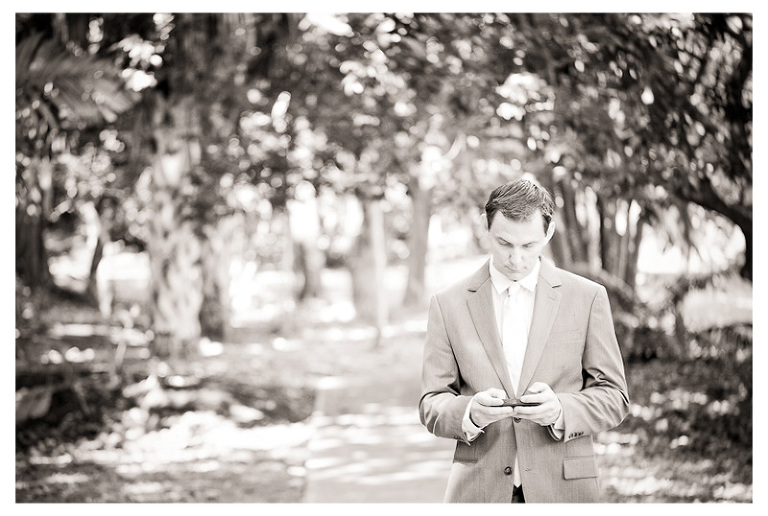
(572, 347)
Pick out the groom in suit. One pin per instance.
(521, 328)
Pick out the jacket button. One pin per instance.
(508, 470)
(516, 419)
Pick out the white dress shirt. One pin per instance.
(527, 295)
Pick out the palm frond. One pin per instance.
(78, 90)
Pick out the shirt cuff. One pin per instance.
(471, 431)
(558, 427)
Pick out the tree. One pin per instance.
(61, 91)
(603, 132)
(700, 123)
(398, 93)
(213, 61)
(622, 116)
(677, 97)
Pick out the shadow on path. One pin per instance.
(368, 445)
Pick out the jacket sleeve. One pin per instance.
(442, 406)
(603, 402)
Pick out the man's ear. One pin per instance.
(550, 230)
(484, 220)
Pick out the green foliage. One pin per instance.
(57, 90)
(642, 104)
(633, 109)
(698, 406)
(623, 103)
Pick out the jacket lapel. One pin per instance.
(545, 305)
(480, 305)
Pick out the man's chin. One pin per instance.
(517, 275)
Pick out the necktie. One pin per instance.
(514, 333)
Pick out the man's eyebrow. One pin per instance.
(504, 240)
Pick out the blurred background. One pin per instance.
(229, 226)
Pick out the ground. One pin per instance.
(234, 424)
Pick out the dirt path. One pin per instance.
(364, 442)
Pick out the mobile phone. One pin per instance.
(514, 402)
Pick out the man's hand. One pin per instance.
(486, 407)
(549, 409)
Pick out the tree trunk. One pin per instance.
(418, 244)
(610, 249)
(561, 252)
(740, 214)
(623, 241)
(304, 222)
(634, 252)
(559, 246)
(745, 225)
(573, 230)
(368, 268)
(105, 210)
(223, 242)
(174, 248)
(31, 255)
(746, 269)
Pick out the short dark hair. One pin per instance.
(518, 200)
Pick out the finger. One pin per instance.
(536, 397)
(489, 401)
(491, 397)
(529, 411)
(541, 419)
(496, 393)
(538, 387)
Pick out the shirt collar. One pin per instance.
(502, 283)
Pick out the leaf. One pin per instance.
(416, 47)
(33, 403)
(88, 90)
(330, 23)
(25, 53)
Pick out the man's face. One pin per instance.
(516, 245)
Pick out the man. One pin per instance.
(521, 328)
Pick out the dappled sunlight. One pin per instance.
(265, 296)
(645, 413)
(82, 343)
(629, 476)
(680, 441)
(635, 482)
(341, 334)
(145, 488)
(67, 478)
(363, 421)
(364, 433)
(196, 443)
(195, 436)
(368, 436)
(228, 301)
(59, 330)
(341, 311)
(365, 452)
(670, 480)
(717, 306)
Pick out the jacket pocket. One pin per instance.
(579, 467)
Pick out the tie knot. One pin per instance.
(513, 289)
